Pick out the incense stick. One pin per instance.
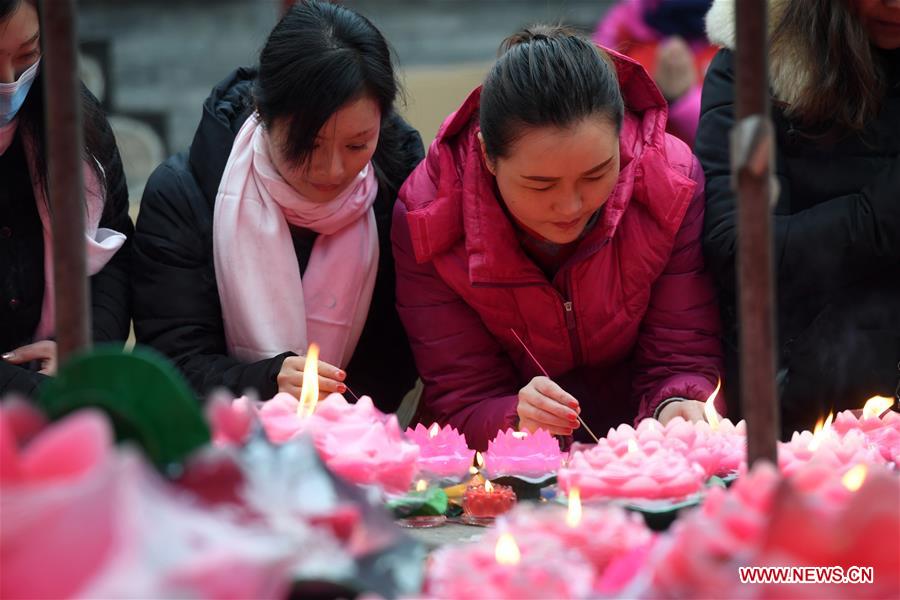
(355, 397)
(544, 371)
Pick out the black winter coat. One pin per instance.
(836, 232)
(177, 309)
(22, 259)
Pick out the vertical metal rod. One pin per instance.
(752, 160)
(62, 96)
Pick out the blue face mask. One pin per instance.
(12, 95)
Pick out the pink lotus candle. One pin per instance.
(599, 533)
(521, 454)
(362, 445)
(827, 447)
(878, 423)
(488, 500)
(660, 473)
(443, 452)
(505, 566)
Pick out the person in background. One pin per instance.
(835, 92)
(273, 230)
(668, 38)
(547, 211)
(27, 305)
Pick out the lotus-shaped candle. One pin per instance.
(649, 473)
(881, 430)
(826, 446)
(443, 452)
(505, 566)
(362, 444)
(524, 455)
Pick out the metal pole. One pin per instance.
(62, 96)
(752, 159)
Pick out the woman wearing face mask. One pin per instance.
(546, 210)
(272, 231)
(27, 311)
(835, 93)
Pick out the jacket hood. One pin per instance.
(465, 202)
(224, 112)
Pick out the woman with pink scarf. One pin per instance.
(27, 304)
(273, 230)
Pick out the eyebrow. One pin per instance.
(355, 135)
(590, 171)
(31, 40)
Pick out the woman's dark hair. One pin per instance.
(546, 75)
(99, 142)
(319, 57)
(823, 65)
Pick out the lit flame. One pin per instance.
(488, 487)
(819, 432)
(479, 460)
(632, 446)
(573, 516)
(421, 485)
(507, 551)
(854, 478)
(709, 408)
(520, 435)
(309, 393)
(434, 430)
(876, 405)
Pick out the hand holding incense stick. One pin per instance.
(544, 372)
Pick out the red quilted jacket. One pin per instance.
(628, 321)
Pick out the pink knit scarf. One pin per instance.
(266, 306)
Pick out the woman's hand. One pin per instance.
(689, 410)
(290, 378)
(44, 351)
(545, 405)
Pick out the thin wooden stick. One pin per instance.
(544, 371)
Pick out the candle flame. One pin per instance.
(819, 432)
(854, 478)
(479, 460)
(488, 487)
(709, 408)
(632, 446)
(520, 435)
(876, 405)
(309, 393)
(434, 430)
(421, 485)
(573, 516)
(507, 551)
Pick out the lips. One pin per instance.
(326, 187)
(567, 224)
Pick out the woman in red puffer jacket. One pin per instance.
(546, 210)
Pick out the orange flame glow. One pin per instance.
(488, 487)
(709, 408)
(854, 478)
(820, 431)
(573, 516)
(876, 405)
(309, 393)
(421, 485)
(506, 551)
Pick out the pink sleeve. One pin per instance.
(470, 382)
(684, 115)
(679, 352)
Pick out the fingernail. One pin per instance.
(342, 388)
(8, 355)
(342, 375)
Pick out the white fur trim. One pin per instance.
(720, 27)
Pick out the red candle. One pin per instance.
(489, 500)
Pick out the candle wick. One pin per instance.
(544, 371)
